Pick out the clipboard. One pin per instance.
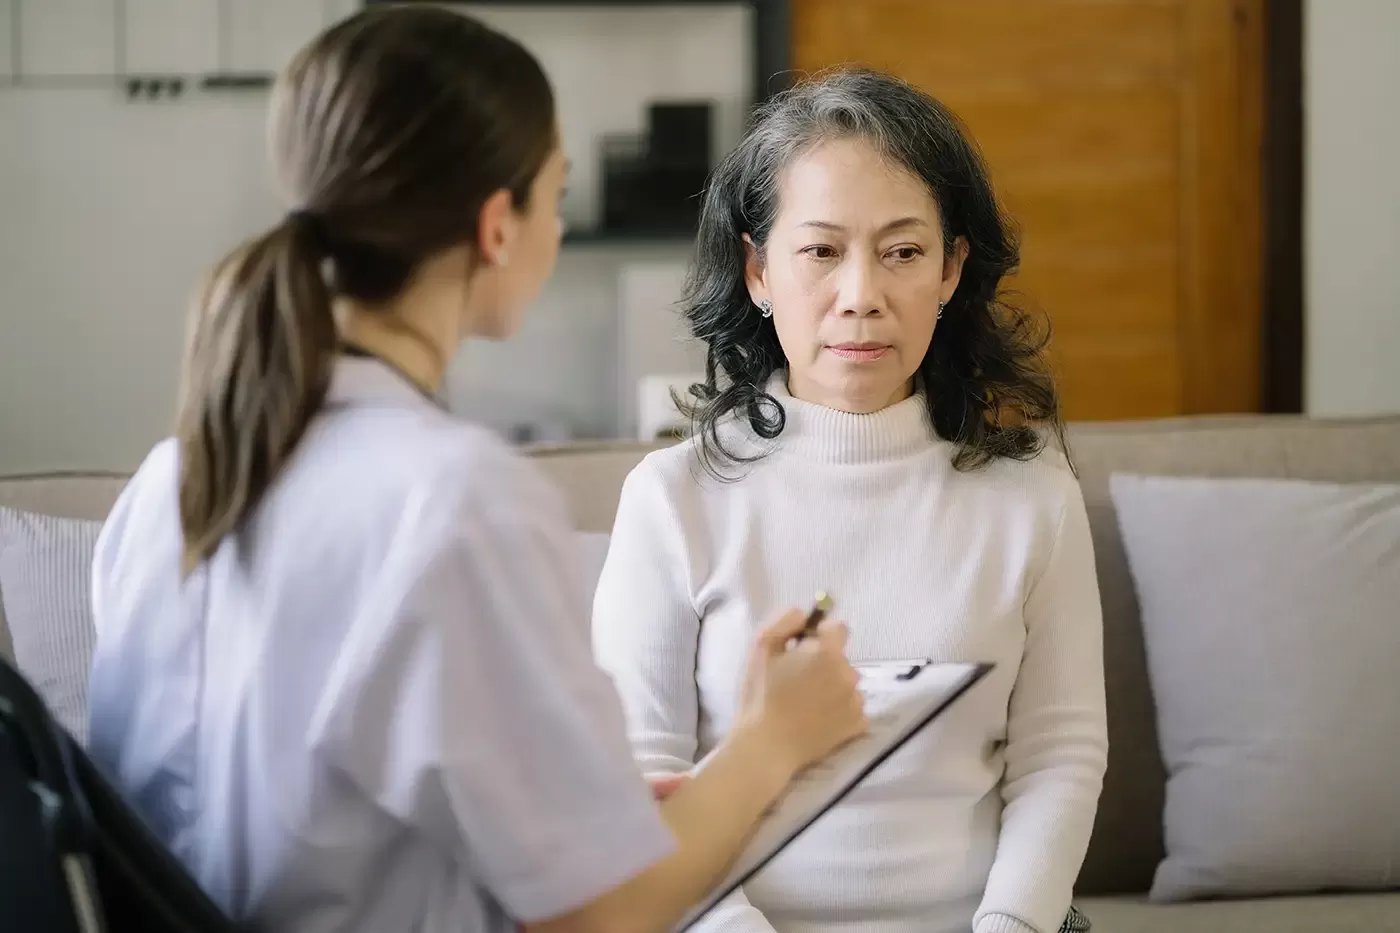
(932, 688)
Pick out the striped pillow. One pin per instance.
(45, 582)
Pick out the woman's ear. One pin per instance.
(496, 229)
(755, 276)
(952, 269)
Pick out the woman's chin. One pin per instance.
(863, 389)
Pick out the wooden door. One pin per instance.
(1125, 137)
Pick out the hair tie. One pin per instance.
(302, 217)
(310, 223)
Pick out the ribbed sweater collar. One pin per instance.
(821, 433)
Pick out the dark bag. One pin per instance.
(74, 858)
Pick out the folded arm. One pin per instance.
(1057, 741)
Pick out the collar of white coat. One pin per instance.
(358, 381)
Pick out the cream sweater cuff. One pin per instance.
(1003, 923)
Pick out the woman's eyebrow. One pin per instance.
(893, 225)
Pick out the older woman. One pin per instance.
(874, 421)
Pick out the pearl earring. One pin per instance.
(941, 306)
(765, 308)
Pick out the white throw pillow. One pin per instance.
(45, 582)
(1271, 618)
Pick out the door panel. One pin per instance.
(1123, 376)
(1132, 129)
(1124, 137)
(1136, 293)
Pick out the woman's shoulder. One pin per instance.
(699, 467)
(1049, 466)
(663, 474)
(668, 465)
(1045, 482)
(151, 494)
(160, 466)
(139, 545)
(474, 468)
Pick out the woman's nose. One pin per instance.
(860, 288)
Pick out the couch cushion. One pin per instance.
(1340, 914)
(45, 572)
(71, 495)
(591, 477)
(1127, 843)
(1268, 610)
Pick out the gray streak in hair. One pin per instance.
(984, 377)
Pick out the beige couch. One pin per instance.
(1128, 838)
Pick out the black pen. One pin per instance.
(820, 607)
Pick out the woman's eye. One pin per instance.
(820, 252)
(906, 253)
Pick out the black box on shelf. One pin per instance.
(653, 183)
(679, 133)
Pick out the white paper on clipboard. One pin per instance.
(897, 710)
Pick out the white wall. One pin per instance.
(1352, 206)
(110, 210)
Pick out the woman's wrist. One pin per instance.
(764, 757)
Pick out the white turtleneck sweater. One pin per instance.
(983, 820)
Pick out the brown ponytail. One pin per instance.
(389, 132)
(256, 370)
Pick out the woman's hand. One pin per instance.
(798, 704)
(664, 784)
(802, 699)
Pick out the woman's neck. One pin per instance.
(856, 403)
(820, 432)
(408, 349)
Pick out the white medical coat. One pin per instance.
(375, 709)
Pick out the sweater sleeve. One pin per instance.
(646, 634)
(1057, 740)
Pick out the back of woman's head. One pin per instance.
(387, 134)
(983, 375)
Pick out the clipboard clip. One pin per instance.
(901, 671)
(914, 670)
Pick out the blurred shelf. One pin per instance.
(237, 81)
(65, 82)
(133, 83)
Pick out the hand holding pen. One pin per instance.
(800, 693)
(820, 607)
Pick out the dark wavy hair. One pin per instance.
(984, 378)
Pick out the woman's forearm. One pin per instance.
(712, 817)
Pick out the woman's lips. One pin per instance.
(859, 352)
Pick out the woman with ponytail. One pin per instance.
(342, 663)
